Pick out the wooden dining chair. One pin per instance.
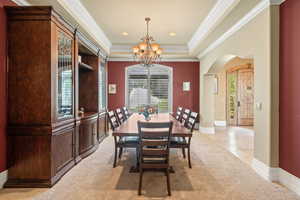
(154, 142)
(185, 116)
(182, 142)
(120, 142)
(178, 113)
(120, 115)
(125, 112)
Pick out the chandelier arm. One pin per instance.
(147, 29)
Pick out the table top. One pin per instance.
(129, 127)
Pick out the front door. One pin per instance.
(240, 97)
(245, 97)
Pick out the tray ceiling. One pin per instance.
(180, 16)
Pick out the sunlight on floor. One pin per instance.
(237, 140)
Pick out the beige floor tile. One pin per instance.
(216, 174)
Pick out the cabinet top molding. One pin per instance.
(29, 13)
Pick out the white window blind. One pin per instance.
(160, 88)
(66, 90)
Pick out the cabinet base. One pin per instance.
(89, 152)
(20, 183)
(37, 183)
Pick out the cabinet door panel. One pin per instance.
(28, 153)
(87, 134)
(62, 148)
(102, 127)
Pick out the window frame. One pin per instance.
(158, 67)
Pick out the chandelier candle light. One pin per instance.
(147, 52)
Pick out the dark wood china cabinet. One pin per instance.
(47, 87)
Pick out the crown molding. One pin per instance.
(22, 2)
(217, 13)
(87, 22)
(276, 2)
(236, 27)
(124, 51)
(127, 59)
(127, 48)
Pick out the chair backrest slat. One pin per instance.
(190, 124)
(120, 115)
(179, 113)
(156, 134)
(125, 112)
(113, 120)
(155, 152)
(185, 116)
(154, 142)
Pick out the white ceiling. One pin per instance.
(180, 16)
(103, 21)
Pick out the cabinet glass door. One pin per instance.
(102, 87)
(65, 76)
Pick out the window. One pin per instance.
(102, 87)
(160, 82)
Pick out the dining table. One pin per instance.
(130, 128)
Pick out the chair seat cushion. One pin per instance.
(178, 141)
(129, 140)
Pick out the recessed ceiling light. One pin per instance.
(172, 34)
(125, 33)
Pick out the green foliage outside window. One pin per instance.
(232, 94)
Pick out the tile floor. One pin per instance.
(216, 174)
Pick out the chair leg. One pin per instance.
(183, 152)
(189, 157)
(116, 152)
(168, 181)
(137, 158)
(140, 183)
(120, 152)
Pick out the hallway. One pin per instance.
(237, 140)
(216, 174)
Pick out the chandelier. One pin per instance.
(147, 52)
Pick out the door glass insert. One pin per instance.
(64, 76)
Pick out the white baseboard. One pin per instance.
(289, 180)
(3, 178)
(220, 123)
(207, 130)
(277, 174)
(268, 173)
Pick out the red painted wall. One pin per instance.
(3, 84)
(182, 71)
(289, 143)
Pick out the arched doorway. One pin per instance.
(229, 96)
(232, 95)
